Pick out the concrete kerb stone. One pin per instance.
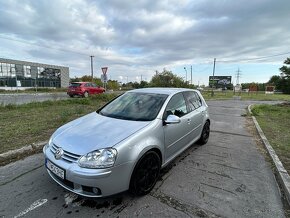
(21, 152)
(283, 175)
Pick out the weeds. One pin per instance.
(33, 122)
(274, 121)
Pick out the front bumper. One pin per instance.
(91, 182)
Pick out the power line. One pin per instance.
(43, 46)
(258, 58)
(84, 54)
(207, 67)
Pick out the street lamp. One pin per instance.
(185, 75)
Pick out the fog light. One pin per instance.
(97, 191)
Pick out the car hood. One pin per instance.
(93, 132)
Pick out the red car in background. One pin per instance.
(84, 89)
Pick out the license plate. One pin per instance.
(55, 169)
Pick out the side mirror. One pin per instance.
(172, 119)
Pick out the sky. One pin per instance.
(134, 39)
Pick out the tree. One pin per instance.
(285, 77)
(260, 86)
(286, 70)
(113, 84)
(167, 79)
(276, 81)
(86, 78)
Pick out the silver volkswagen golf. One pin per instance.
(123, 145)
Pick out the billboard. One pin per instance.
(220, 81)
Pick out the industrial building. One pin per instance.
(15, 73)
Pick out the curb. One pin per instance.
(11, 155)
(283, 176)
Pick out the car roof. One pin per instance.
(167, 91)
(80, 82)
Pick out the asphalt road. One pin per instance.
(227, 177)
(22, 98)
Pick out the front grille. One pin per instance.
(65, 182)
(67, 156)
(85, 190)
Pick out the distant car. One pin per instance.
(84, 89)
(124, 144)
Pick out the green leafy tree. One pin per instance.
(276, 81)
(260, 86)
(143, 84)
(86, 78)
(285, 70)
(167, 79)
(285, 76)
(113, 84)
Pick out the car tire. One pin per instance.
(145, 174)
(86, 94)
(71, 96)
(204, 134)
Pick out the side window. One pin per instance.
(176, 106)
(94, 85)
(199, 102)
(193, 100)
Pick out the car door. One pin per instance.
(92, 89)
(195, 113)
(87, 88)
(176, 135)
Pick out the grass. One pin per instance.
(261, 96)
(34, 122)
(275, 123)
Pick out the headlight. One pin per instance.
(102, 158)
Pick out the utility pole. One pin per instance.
(141, 78)
(191, 74)
(92, 70)
(213, 71)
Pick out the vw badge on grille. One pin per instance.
(58, 153)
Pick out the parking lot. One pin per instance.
(227, 177)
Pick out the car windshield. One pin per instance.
(135, 106)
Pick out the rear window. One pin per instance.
(75, 84)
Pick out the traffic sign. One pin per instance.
(104, 78)
(104, 69)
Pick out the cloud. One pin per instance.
(139, 37)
